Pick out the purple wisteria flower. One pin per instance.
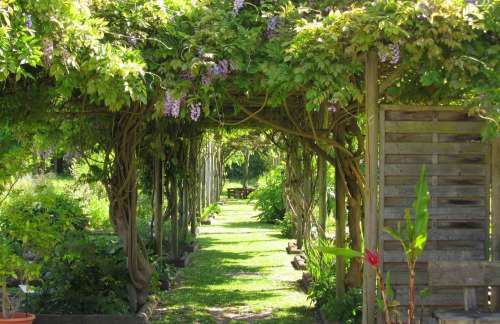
(186, 75)
(171, 106)
(271, 26)
(382, 56)
(237, 5)
(48, 49)
(332, 108)
(29, 22)
(132, 40)
(395, 53)
(195, 111)
(220, 70)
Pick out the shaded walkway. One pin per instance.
(241, 274)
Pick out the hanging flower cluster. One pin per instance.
(48, 49)
(393, 53)
(29, 22)
(219, 71)
(237, 5)
(171, 106)
(195, 110)
(271, 26)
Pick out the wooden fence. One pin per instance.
(448, 142)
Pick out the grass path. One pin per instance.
(242, 274)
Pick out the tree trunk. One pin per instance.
(340, 194)
(307, 175)
(158, 205)
(322, 178)
(122, 192)
(195, 187)
(322, 196)
(174, 218)
(355, 274)
(246, 167)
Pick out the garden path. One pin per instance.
(242, 274)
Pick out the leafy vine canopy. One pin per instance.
(187, 59)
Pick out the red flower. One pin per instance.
(372, 258)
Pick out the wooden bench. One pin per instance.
(470, 275)
(239, 193)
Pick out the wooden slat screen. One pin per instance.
(448, 142)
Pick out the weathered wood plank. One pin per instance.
(436, 148)
(463, 317)
(439, 297)
(398, 256)
(442, 159)
(435, 191)
(443, 127)
(407, 115)
(464, 274)
(408, 137)
(462, 138)
(442, 180)
(442, 202)
(422, 108)
(456, 116)
(435, 170)
(462, 159)
(451, 235)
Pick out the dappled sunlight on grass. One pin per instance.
(241, 274)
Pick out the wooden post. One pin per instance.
(340, 195)
(370, 224)
(495, 213)
(322, 175)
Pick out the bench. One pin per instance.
(470, 275)
(239, 193)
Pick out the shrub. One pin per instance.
(269, 196)
(322, 289)
(286, 226)
(212, 209)
(42, 206)
(86, 274)
(347, 310)
(322, 269)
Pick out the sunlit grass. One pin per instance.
(242, 268)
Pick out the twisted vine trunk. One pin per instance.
(122, 191)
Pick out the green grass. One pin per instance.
(241, 270)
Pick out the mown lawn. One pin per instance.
(241, 274)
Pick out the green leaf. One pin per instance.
(388, 288)
(395, 235)
(342, 252)
(420, 207)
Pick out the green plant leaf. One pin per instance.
(343, 252)
(388, 288)
(420, 207)
(395, 234)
